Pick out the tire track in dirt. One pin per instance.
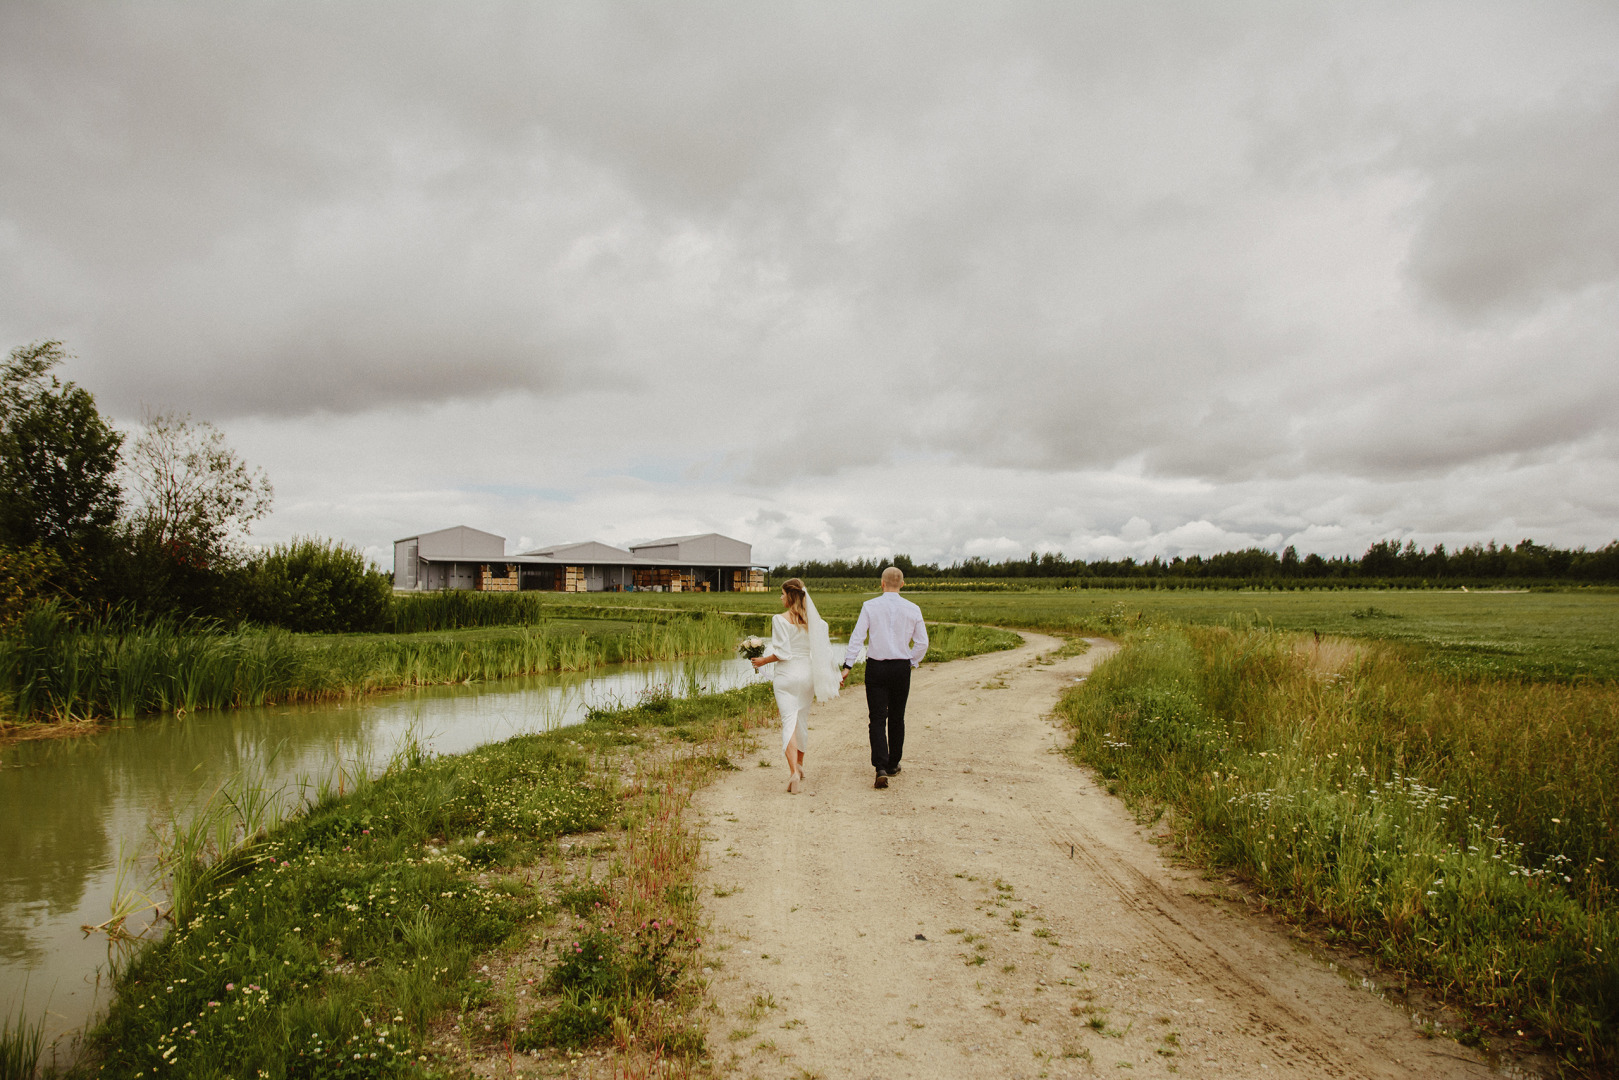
(942, 929)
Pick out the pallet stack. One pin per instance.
(663, 579)
(501, 578)
(747, 580)
(572, 579)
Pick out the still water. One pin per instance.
(71, 809)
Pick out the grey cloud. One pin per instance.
(1521, 209)
(1237, 246)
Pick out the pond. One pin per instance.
(71, 810)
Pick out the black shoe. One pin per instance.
(894, 771)
(882, 779)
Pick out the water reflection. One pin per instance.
(68, 806)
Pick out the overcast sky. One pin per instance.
(843, 279)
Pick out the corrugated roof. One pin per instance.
(447, 529)
(549, 560)
(667, 540)
(555, 548)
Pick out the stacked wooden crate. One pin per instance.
(659, 578)
(573, 579)
(497, 577)
(667, 580)
(748, 580)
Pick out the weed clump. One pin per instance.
(601, 975)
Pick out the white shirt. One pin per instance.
(895, 627)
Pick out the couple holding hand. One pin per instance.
(801, 648)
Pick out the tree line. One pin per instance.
(103, 525)
(1385, 560)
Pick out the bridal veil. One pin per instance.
(822, 668)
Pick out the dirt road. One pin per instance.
(995, 914)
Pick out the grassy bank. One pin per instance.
(531, 896)
(53, 669)
(1460, 828)
(946, 643)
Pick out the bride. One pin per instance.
(801, 648)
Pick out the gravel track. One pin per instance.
(994, 913)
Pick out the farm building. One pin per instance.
(466, 558)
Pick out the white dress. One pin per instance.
(792, 677)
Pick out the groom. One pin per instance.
(899, 640)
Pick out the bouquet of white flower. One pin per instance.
(752, 648)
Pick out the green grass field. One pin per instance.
(1544, 635)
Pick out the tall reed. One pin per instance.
(22, 1044)
(456, 609)
(1462, 829)
(53, 668)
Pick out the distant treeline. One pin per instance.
(1384, 561)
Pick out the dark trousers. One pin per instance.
(888, 684)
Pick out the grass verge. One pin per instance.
(529, 895)
(1459, 828)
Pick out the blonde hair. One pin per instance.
(793, 589)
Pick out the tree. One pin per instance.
(1290, 561)
(197, 496)
(58, 457)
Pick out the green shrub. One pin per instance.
(316, 586)
(27, 576)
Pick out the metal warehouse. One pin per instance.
(467, 558)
